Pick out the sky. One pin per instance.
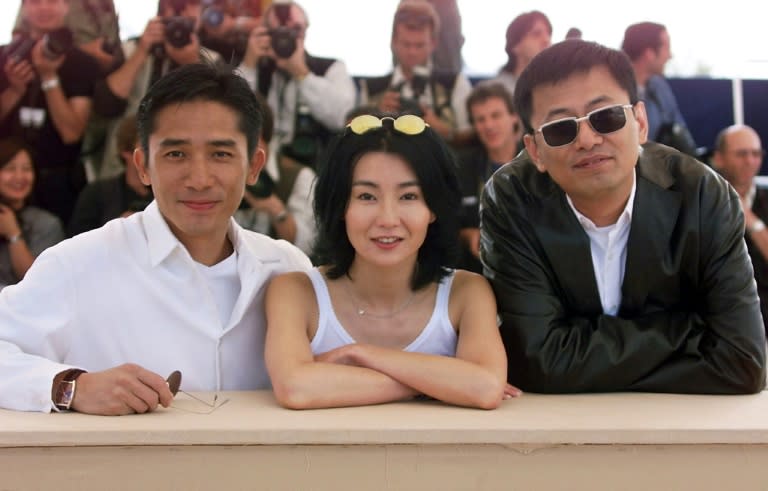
(707, 40)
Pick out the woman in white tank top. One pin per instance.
(383, 318)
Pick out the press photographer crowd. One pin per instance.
(70, 89)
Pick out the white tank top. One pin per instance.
(437, 338)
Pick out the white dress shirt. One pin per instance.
(609, 252)
(129, 292)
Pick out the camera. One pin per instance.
(55, 44)
(178, 30)
(264, 186)
(419, 83)
(283, 37)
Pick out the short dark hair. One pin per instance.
(489, 90)
(517, 30)
(435, 167)
(11, 146)
(416, 15)
(564, 59)
(202, 82)
(640, 37)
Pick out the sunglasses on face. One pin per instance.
(604, 121)
(408, 124)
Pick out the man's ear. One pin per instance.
(140, 162)
(533, 151)
(642, 121)
(256, 165)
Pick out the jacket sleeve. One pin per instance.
(717, 346)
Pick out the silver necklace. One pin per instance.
(363, 312)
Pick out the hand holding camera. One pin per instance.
(19, 74)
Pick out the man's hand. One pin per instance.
(125, 389)
(296, 64)
(46, 68)
(186, 55)
(19, 74)
(259, 45)
(154, 33)
(437, 124)
(95, 48)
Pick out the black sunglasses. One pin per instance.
(604, 120)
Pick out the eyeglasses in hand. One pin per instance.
(174, 384)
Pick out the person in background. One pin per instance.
(738, 156)
(618, 265)
(527, 35)
(384, 319)
(499, 135)
(95, 30)
(120, 196)
(226, 24)
(101, 319)
(415, 86)
(309, 96)
(26, 230)
(280, 203)
(648, 46)
(46, 95)
(169, 41)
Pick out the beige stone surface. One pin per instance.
(253, 418)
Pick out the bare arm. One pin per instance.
(298, 380)
(69, 115)
(476, 376)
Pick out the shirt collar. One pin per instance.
(398, 77)
(161, 242)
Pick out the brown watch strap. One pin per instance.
(61, 383)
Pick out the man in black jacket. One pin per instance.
(617, 265)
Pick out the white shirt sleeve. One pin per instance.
(36, 322)
(300, 205)
(331, 96)
(461, 90)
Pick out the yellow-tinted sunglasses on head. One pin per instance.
(407, 124)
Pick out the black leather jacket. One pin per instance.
(689, 320)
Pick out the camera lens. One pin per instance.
(283, 41)
(57, 43)
(212, 17)
(178, 31)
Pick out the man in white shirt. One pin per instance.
(309, 96)
(177, 287)
(415, 86)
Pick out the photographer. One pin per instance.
(95, 29)
(226, 24)
(309, 96)
(46, 90)
(415, 86)
(280, 203)
(168, 41)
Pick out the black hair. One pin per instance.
(640, 37)
(564, 59)
(435, 168)
(517, 30)
(202, 82)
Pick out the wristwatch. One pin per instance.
(65, 390)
